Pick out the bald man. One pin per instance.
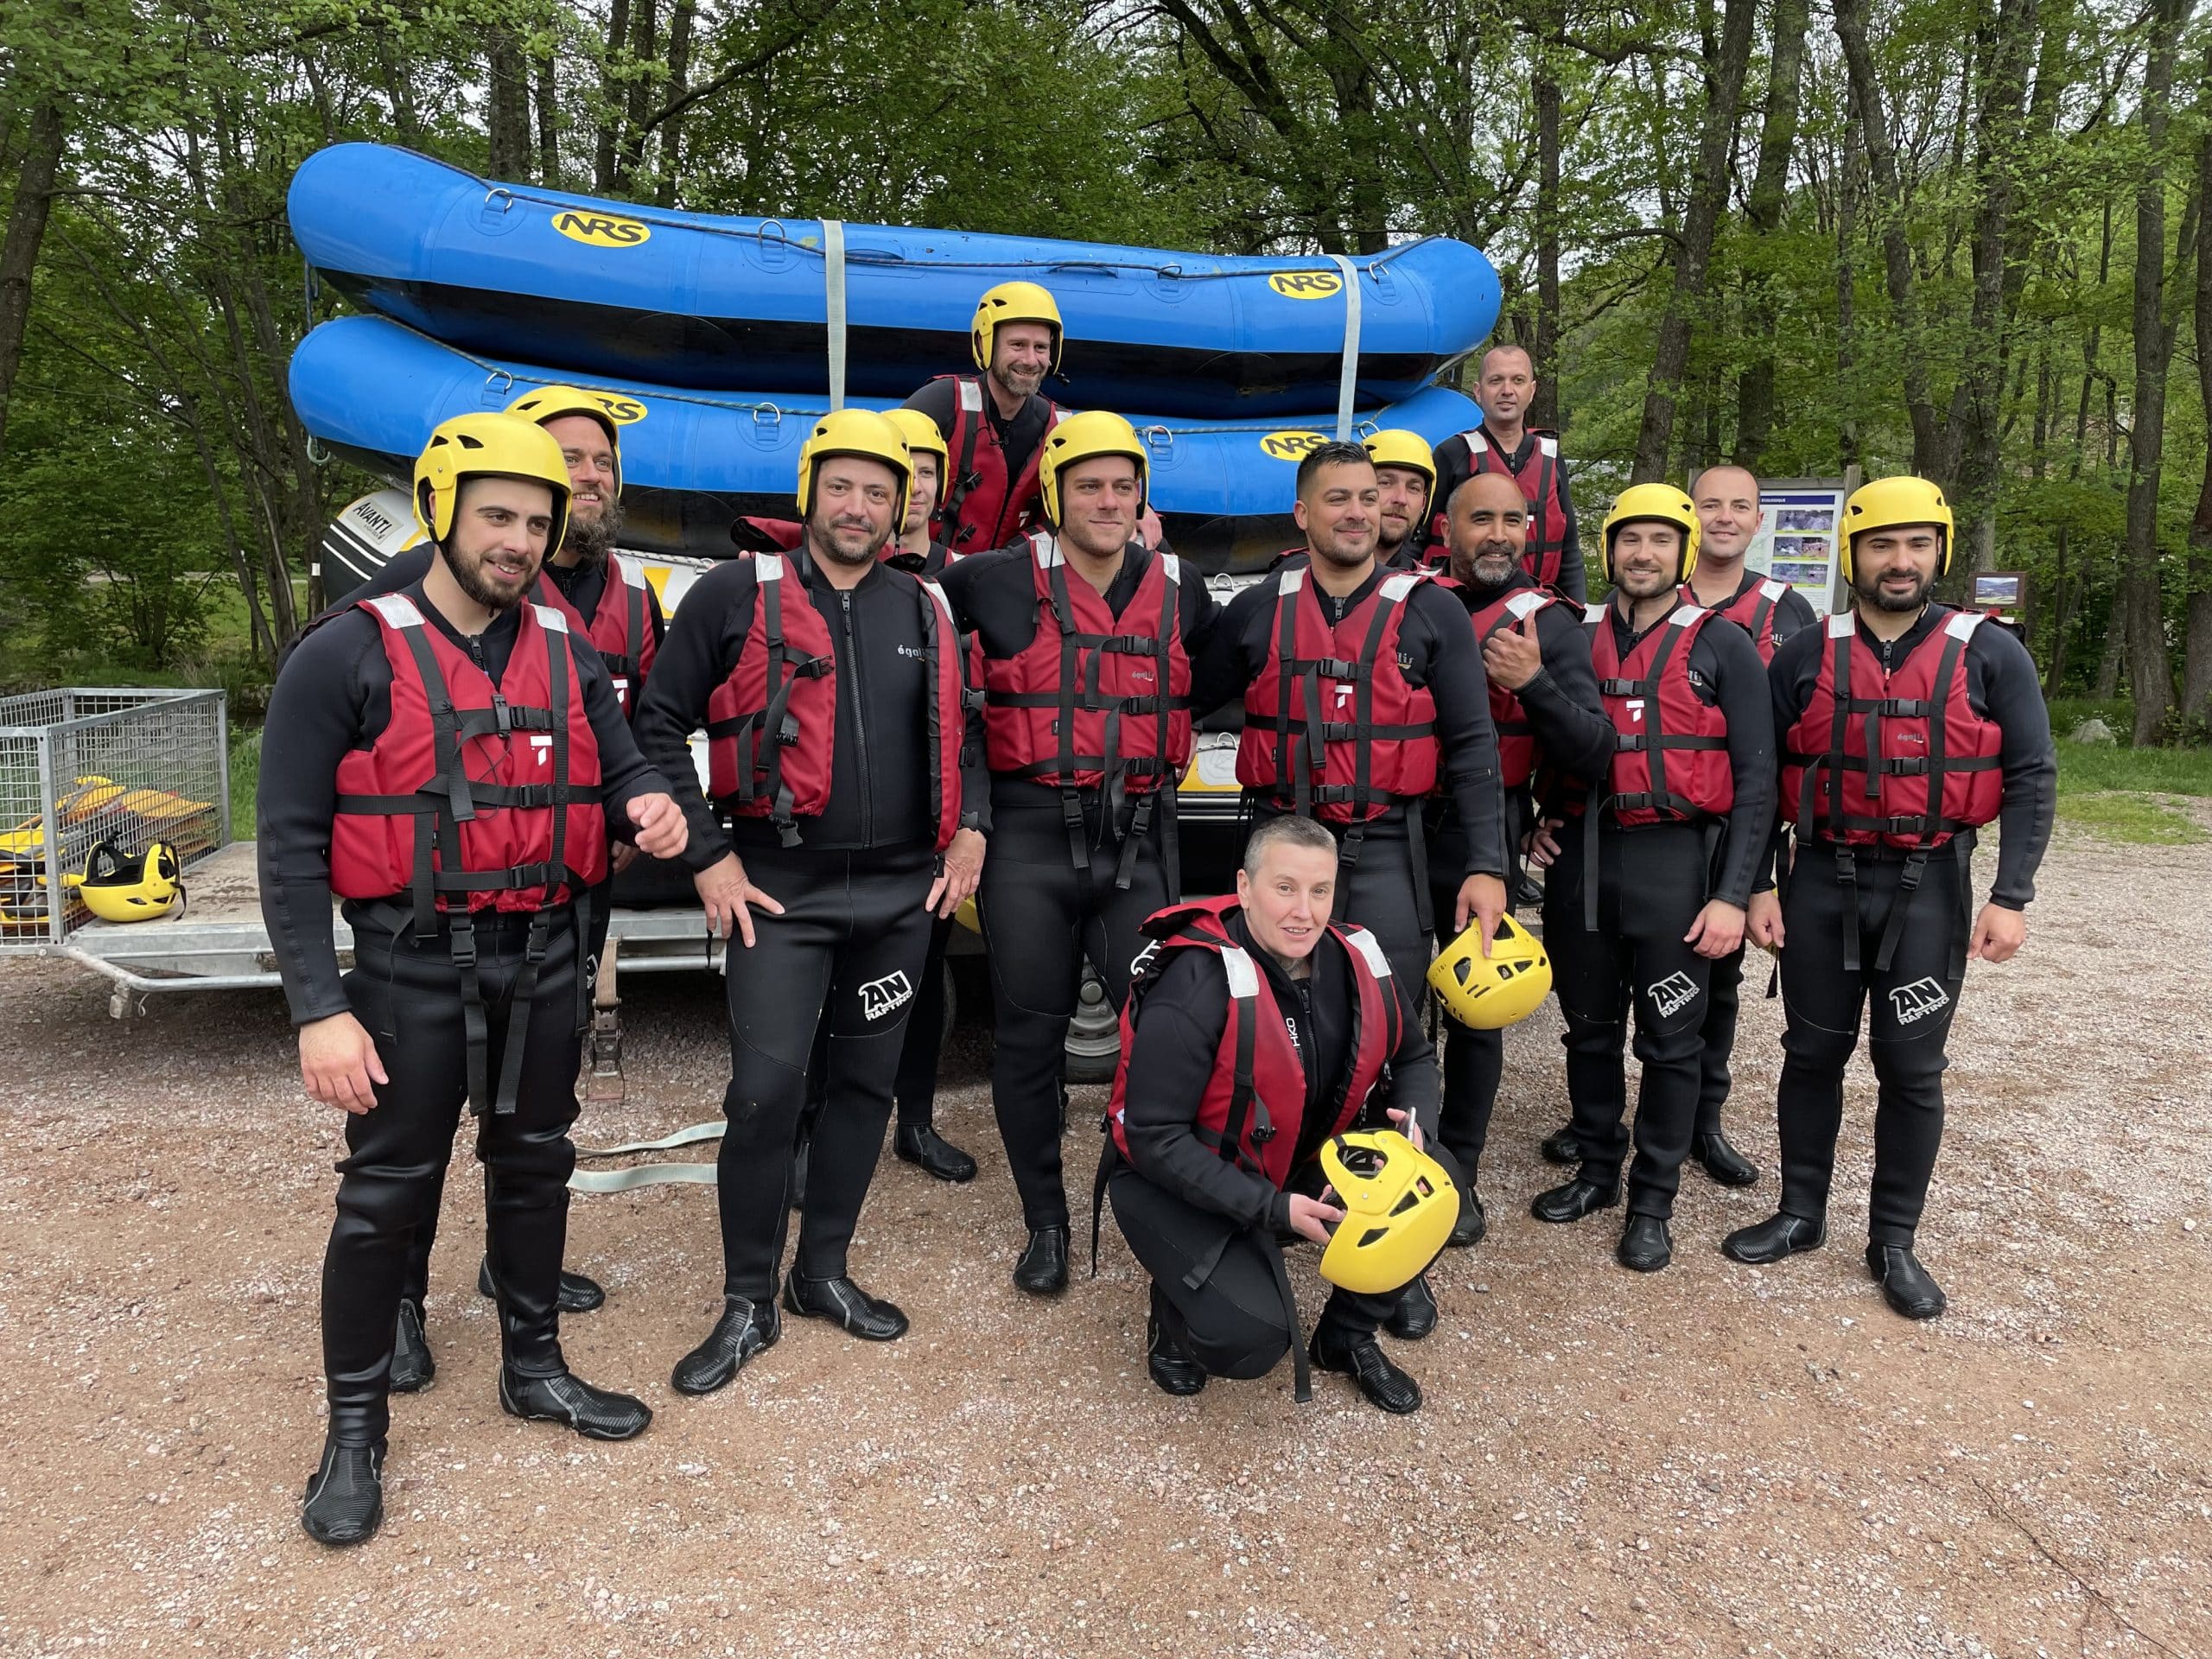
(1504, 443)
(1729, 515)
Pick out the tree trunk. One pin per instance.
(2005, 48)
(1846, 286)
(610, 95)
(2151, 675)
(644, 47)
(1708, 197)
(2115, 654)
(2196, 647)
(679, 82)
(549, 124)
(1770, 191)
(19, 249)
(1897, 246)
(506, 108)
(2061, 621)
(1544, 408)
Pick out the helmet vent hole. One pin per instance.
(1373, 1235)
(1406, 1202)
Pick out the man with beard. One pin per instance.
(1504, 443)
(448, 761)
(1544, 702)
(1649, 887)
(1363, 692)
(994, 421)
(1085, 638)
(1405, 482)
(1905, 727)
(830, 685)
(608, 603)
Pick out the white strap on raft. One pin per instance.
(625, 1181)
(1348, 376)
(833, 280)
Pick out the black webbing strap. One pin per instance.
(933, 667)
(1417, 857)
(451, 777)
(779, 726)
(524, 993)
(1302, 1368)
(1362, 734)
(967, 426)
(1110, 1160)
(1547, 550)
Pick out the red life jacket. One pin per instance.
(621, 630)
(1935, 770)
(1253, 1112)
(1517, 755)
(1657, 716)
(771, 725)
(1347, 738)
(1752, 610)
(487, 794)
(1538, 478)
(982, 508)
(1087, 703)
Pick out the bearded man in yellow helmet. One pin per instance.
(994, 421)
(836, 823)
(1905, 726)
(449, 759)
(611, 606)
(1405, 482)
(1655, 867)
(1085, 638)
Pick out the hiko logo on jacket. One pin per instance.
(1916, 1001)
(885, 995)
(1673, 994)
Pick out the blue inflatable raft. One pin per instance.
(701, 301)
(693, 462)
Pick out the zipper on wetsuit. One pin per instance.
(859, 724)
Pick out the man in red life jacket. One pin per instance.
(830, 685)
(609, 604)
(1405, 482)
(1362, 692)
(1729, 516)
(1905, 726)
(1260, 1029)
(994, 421)
(1504, 442)
(1649, 889)
(448, 759)
(1551, 723)
(1084, 640)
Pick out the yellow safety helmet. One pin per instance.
(1399, 1204)
(116, 888)
(854, 432)
(1084, 437)
(545, 404)
(1889, 502)
(1395, 446)
(922, 438)
(1489, 993)
(1662, 502)
(487, 446)
(1013, 302)
(966, 915)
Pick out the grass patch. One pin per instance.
(2131, 818)
(2092, 768)
(245, 779)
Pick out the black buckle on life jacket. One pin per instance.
(502, 720)
(461, 929)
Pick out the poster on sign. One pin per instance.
(1796, 539)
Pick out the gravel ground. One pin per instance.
(1712, 1461)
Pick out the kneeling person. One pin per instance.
(1258, 1030)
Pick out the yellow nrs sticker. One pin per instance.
(600, 229)
(1293, 444)
(623, 412)
(1307, 284)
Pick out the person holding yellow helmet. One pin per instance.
(1650, 887)
(1259, 1031)
(838, 820)
(1405, 480)
(450, 762)
(1085, 638)
(994, 421)
(1551, 723)
(609, 602)
(1905, 726)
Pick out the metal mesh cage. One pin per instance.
(81, 764)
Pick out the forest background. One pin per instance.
(1969, 238)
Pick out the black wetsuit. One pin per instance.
(333, 697)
